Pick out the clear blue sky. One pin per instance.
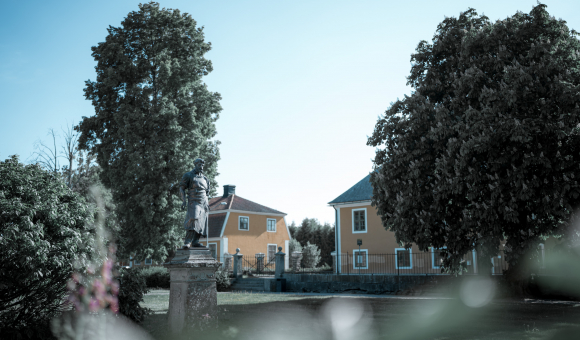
(303, 82)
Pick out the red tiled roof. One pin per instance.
(215, 224)
(235, 202)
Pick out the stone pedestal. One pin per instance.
(295, 259)
(192, 295)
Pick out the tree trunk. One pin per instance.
(517, 278)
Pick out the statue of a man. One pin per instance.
(197, 187)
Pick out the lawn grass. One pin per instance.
(261, 316)
(158, 300)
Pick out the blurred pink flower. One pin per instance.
(94, 305)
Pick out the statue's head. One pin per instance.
(199, 163)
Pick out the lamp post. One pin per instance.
(359, 256)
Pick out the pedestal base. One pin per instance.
(192, 294)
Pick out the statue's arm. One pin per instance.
(208, 186)
(182, 188)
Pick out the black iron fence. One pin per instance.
(258, 266)
(403, 262)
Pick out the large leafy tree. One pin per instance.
(486, 148)
(46, 231)
(153, 117)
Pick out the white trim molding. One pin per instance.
(244, 212)
(339, 248)
(268, 221)
(351, 204)
(288, 231)
(352, 216)
(217, 256)
(366, 251)
(224, 245)
(410, 258)
(286, 250)
(225, 224)
(211, 239)
(239, 217)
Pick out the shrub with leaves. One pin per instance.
(45, 230)
(132, 289)
(310, 256)
(156, 277)
(294, 246)
(222, 280)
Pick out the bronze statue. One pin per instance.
(196, 219)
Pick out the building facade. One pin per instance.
(235, 222)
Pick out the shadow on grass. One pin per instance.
(376, 318)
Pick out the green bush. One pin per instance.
(131, 291)
(156, 277)
(310, 256)
(45, 231)
(222, 280)
(294, 246)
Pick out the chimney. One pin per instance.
(229, 190)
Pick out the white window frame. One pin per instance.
(366, 224)
(397, 258)
(148, 262)
(268, 253)
(433, 257)
(268, 220)
(240, 223)
(217, 255)
(354, 252)
(137, 263)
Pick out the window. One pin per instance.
(148, 262)
(360, 259)
(136, 262)
(243, 223)
(436, 257)
(404, 260)
(359, 220)
(272, 225)
(213, 249)
(272, 252)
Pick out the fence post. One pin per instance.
(227, 261)
(260, 262)
(237, 263)
(334, 267)
(280, 260)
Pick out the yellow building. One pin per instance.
(379, 252)
(235, 222)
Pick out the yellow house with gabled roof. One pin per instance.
(236, 222)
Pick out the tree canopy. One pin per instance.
(312, 232)
(153, 117)
(486, 147)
